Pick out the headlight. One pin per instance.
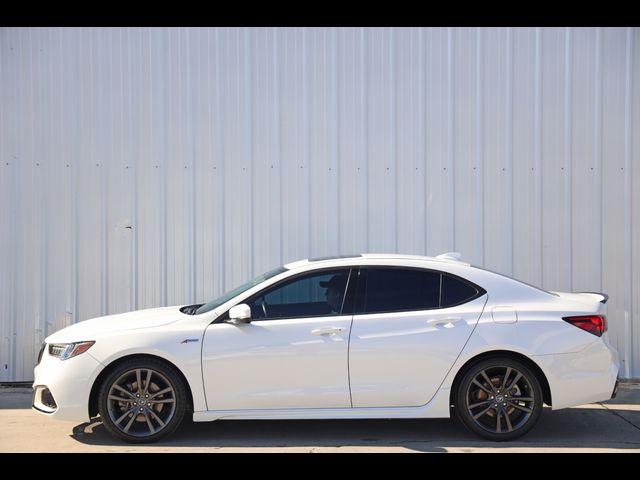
(68, 350)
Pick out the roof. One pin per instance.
(449, 257)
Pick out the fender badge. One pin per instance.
(188, 340)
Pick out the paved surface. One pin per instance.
(613, 426)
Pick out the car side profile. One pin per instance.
(361, 336)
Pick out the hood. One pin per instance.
(89, 329)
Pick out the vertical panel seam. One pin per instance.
(538, 224)
(597, 172)
(479, 142)
(628, 206)
(451, 140)
(394, 131)
(509, 142)
(568, 153)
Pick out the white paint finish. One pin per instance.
(400, 359)
(276, 364)
(503, 314)
(432, 105)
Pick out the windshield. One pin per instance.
(207, 307)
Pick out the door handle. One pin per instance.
(327, 330)
(444, 322)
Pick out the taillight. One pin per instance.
(596, 324)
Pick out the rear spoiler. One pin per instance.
(605, 297)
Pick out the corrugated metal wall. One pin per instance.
(147, 167)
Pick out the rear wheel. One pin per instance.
(142, 400)
(499, 399)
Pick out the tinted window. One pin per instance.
(455, 291)
(389, 289)
(316, 294)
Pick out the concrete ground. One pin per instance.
(612, 426)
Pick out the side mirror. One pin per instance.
(240, 314)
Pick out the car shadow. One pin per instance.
(576, 428)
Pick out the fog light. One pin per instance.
(47, 399)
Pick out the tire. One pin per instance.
(142, 400)
(486, 409)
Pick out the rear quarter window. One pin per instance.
(456, 291)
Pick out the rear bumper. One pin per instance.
(588, 376)
(615, 388)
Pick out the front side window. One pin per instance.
(405, 289)
(308, 295)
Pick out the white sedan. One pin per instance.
(362, 336)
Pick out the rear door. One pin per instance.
(409, 328)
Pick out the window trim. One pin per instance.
(347, 301)
(362, 284)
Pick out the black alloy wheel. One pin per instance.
(499, 399)
(142, 400)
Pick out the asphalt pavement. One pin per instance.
(612, 426)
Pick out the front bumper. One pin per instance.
(61, 388)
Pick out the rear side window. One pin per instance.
(404, 289)
(389, 290)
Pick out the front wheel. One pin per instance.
(499, 399)
(142, 400)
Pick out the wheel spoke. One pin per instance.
(164, 400)
(485, 389)
(126, 392)
(147, 381)
(133, 417)
(475, 417)
(119, 399)
(521, 399)
(484, 375)
(479, 403)
(151, 429)
(518, 377)
(520, 407)
(506, 417)
(139, 379)
(164, 390)
(124, 415)
(506, 377)
(153, 414)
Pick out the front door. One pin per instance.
(293, 354)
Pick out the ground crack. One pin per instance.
(619, 416)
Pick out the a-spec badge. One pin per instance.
(189, 340)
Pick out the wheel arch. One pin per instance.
(542, 378)
(95, 388)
